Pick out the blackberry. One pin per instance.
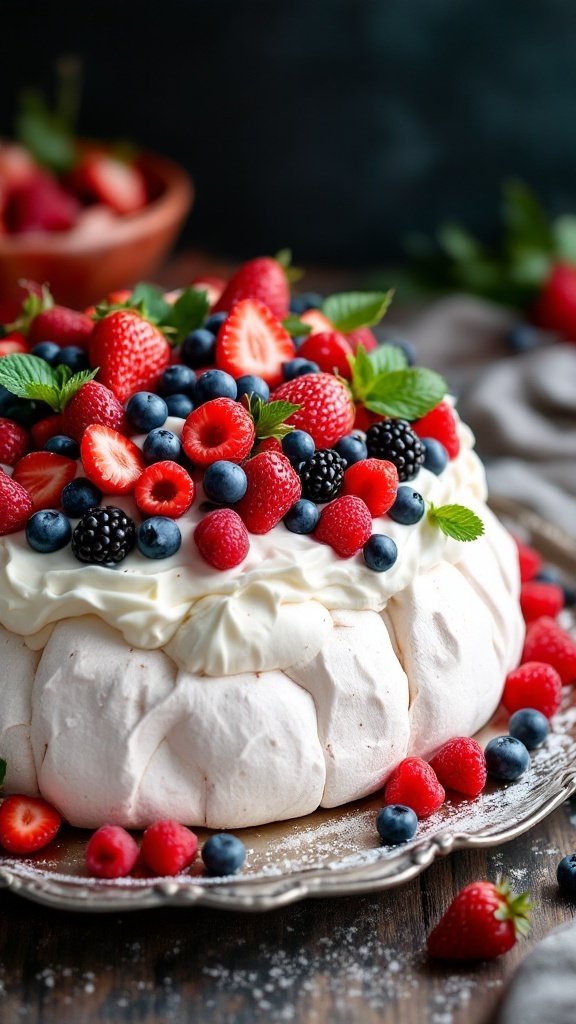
(104, 536)
(322, 475)
(395, 441)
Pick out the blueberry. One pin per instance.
(48, 530)
(60, 444)
(302, 517)
(26, 412)
(214, 384)
(529, 726)
(352, 449)
(408, 507)
(215, 321)
(396, 824)
(506, 758)
(177, 380)
(297, 446)
(49, 351)
(308, 300)
(249, 384)
(179, 405)
(380, 552)
(198, 348)
(224, 482)
(524, 338)
(161, 444)
(435, 455)
(158, 537)
(79, 496)
(6, 399)
(146, 410)
(223, 854)
(73, 357)
(298, 367)
(566, 875)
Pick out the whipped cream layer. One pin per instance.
(268, 613)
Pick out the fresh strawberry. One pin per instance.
(529, 559)
(222, 539)
(41, 204)
(414, 784)
(460, 765)
(273, 487)
(556, 307)
(440, 424)
(316, 321)
(44, 475)
(362, 336)
(12, 342)
(213, 286)
(111, 852)
(103, 177)
(63, 326)
(538, 599)
(14, 442)
(15, 505)
(27, 824)
(92, 403)
(168, 847)
(164, 489)
(219, 429)
(252, 341)
(482, 922)
(130, 352)
(263, 279)
(345, 524)
(330, 350)
(46, 428)
(111, 461)
(375, 481)
(533, 685)
(546, 641)
(326, 407)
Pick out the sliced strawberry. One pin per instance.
(27, 824)
(116, 183)
(330, 350)
(111, 461)
(44, 475)
(13, 342)
(15, 505)
(251, 340)
(164, 489)
(317, 321)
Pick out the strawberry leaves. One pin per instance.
(175, 320)
(27, 376)
(456, 521)
(351, 310)
(269, 417)
(384, 383)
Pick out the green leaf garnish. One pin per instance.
(175, 321)
(296, 327)
(149, 300)
(383, 383)
(350, 310)
(269, 417)
(2, 770)
(27, 376)
(188, 312)
(456, 521)
(284, 258)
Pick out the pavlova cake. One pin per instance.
(246, 562)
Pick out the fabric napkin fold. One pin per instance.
(543, 990)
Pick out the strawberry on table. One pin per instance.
(111, 461)
(326, 407)
(44, 476)
(15, 505)
(263, 279)
(482, 922)
(131, 352)
(252, 341)
(27, 824)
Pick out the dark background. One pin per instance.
(330, 126)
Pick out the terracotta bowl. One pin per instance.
(102, 252)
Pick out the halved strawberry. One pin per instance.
(111, 461)
(44, 475)
(317, 321)
(27, 824)
(164, 489)
(251, 340)
(116, 183)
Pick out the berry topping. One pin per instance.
(74, 358)
(538, 599)
(408, 508)
(533, 685)
(460, 765)
(326, 407)
(566, 876)
(80, 495)
(263, 279)
(158, 537)
(222, 539)
(198, 348)
(14, 442)
(161, 444)
(297, 446)
(440, 423)
(396, 824)
(530, 727)
(298, 367)
(60, 444)
(252, 341)
(482, 922)
(224, 482)
(177, 380)
(330, 351)
(46, 428)
(104, 536)
(164, 489)
(130, 352)
(215, 384)
(547, 641)
(249, 384)
(61, 326)
(395, 441)
(179, 405)
(145, 411)
(27, 824)
(435, 456)
(380, 552)
(219, 429)
(111, 461)
(273, 487)
(506, 758)
(168, 848)
(352, 448)
(413, 783)
(15, 505)
(44, 475)
(322, 475)
(93, 403)
(302, 517)
(223, 854)
(345, 524)
(375, 481)
(48, 530)
(111, 852)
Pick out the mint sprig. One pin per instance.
(2, 770)
(27, 376)
(384, 383)
(175, 320)
(350, 310)
(269, 417)
(296, 327)
(456, 521)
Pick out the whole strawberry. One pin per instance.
(556, 306)
(482, 922)
(326, 407)
(273, 487)
(440, 424)
(14, 442)
(63, 326)
(262, 278)
(130, 351)
(15, 505)
(93, 403)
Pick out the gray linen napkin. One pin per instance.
(543, 990)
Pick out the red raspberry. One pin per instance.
(414, 784)
(547, 641)
(345, 524)
(440, 424)
(44, 429)
(222, 539)
(538, 599)
(460, 765)
(529, 559)
(14, 442)
(111, 852)
(273, 487)
(15, 505)
(533, 685)
(375, 481)
(168, 848)
(220, 429)
(93, 403)
(330, 350)
(326, 407)
(164, 489)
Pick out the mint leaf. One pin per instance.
(387, 358)
(525, 220)
(149, 299)
(456, 521)
(296, 327)
(363, 373)
(269, 417)
(71, 386)
(2, 770)
(405, 394)
(564, 231)
(29, 377)
(44, 133)
(350, 310)
(188, 313)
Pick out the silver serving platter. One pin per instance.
(331, 852)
